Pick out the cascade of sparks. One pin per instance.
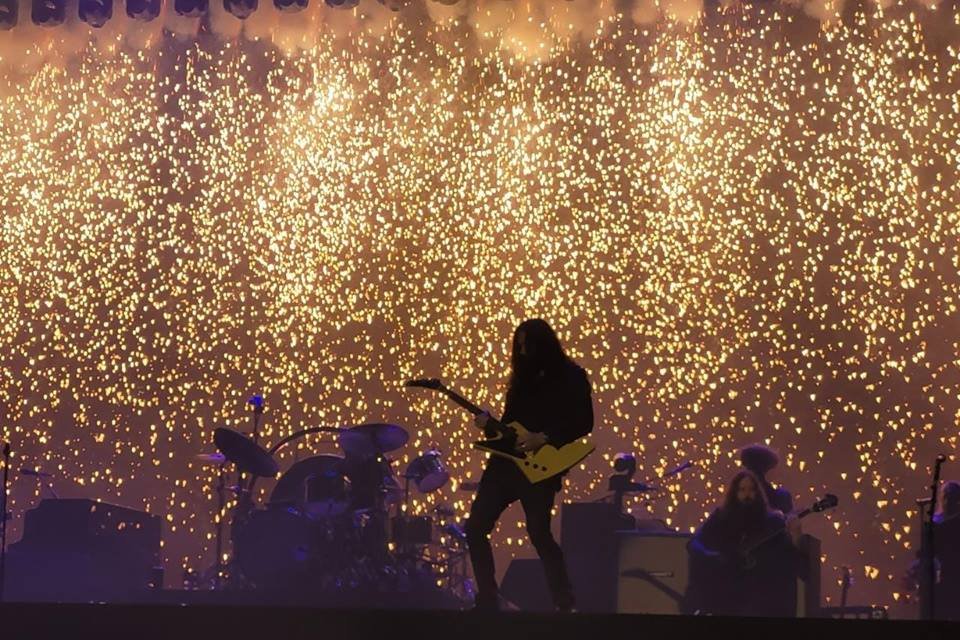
(746, 229)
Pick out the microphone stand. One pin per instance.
(257, 402)
(929, 575)
(221, 500)
(3, 519)
(244, 506)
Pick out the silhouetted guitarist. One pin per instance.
(550, 395)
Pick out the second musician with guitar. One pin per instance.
(745, 558)
(550, 396)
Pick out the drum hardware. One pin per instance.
(215, 458)
(246, 454)
(45, 480)
(220, 461)
(274, 546)
(326, 519)
(444, 511)
(248, 457)
(3, 519)
(318, 485)
(409, 531)
(456, 567)
(327, 524)
(427, 472)
(368, 440)
(429, 475)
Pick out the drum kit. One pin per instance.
(326, 523)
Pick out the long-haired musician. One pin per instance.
(550, 395)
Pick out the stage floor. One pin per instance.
(236, 622)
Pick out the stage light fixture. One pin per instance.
(143, 10)
(96, 13)
(290, 6)
(48, 13)
(191, 8)
(242, 9)
(342, 4)
(9, 11)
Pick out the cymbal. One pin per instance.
(210, 458)
(373, 439)
(245, 453)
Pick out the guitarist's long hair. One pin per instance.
(732, 510)
(544, 354)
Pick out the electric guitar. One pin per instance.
(747, 555)
(537, 466)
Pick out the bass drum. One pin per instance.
(318, 486)
(275, 546)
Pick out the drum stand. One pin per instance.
(240, 512)
(218, 567)
(457, 573)
(405, 549)
(3, 519)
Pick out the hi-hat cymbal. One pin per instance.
(373, 439)
(210, 458)
(245, 453)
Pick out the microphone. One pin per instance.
(683, 467)
(941, 458)
(426, 383)
(256, 400)
(27, 471)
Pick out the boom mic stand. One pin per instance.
(928, 583)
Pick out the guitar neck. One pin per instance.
(492, 424)
(463, 402)
(764, 540)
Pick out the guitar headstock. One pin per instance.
(827, 502)
(426, 383)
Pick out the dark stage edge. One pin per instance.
(234, 622)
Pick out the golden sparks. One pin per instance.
(746, 229)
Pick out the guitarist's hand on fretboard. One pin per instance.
(481, 419)
(531, 441)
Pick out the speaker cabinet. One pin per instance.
(652, 573)
(588, 537)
